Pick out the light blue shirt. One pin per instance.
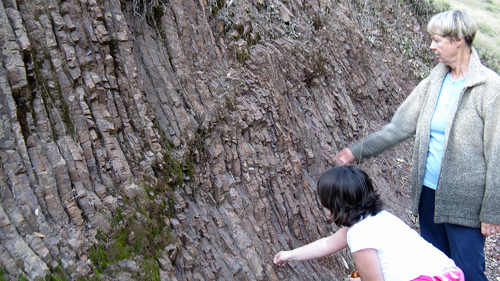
(448, 96)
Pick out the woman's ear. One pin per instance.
(460, 42)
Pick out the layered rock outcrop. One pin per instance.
(181, 139)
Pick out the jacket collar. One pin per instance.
(475, 71)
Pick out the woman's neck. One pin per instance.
(461, 65)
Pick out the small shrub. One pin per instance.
(151, 270)
(99, 257)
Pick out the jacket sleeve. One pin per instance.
(402, 126)
(490, 209)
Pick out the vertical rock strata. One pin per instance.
(235, 106)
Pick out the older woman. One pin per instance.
(454, 115)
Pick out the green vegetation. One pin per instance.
(242, 56)
(2, 272)
(140, 229)
(57, 274)
(216, 6)
(151, 270)
(237, 30)
(134, 235)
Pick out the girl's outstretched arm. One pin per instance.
(368, 265)
(314, 250)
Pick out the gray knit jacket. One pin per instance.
(468, 190)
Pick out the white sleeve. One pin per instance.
(364, 235)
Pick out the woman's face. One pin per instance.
(445, 50)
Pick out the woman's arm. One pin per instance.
(368, 265)
(489, 216)
(403, 125)
(314, 250)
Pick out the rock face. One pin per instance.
(181, 139)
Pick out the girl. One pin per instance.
(383, 247)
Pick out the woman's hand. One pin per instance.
(488, 229)
(282, 258)
(344, 157)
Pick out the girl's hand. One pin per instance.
(317, 249)
(282, 258)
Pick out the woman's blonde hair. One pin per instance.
(453, 25)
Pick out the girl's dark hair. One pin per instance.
(348, 193)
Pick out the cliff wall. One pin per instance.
(181, 139)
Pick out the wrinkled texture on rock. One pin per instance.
(254, 97)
